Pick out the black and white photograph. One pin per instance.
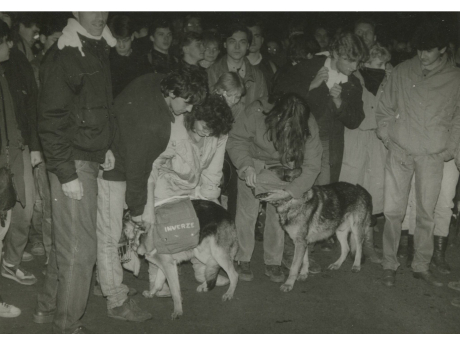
(230, 169)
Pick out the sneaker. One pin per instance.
(275, 273)
(7, 310)
(27, 257)
(244, 271)
(18, 274)
(129, 311)
(38, 249)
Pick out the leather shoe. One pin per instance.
(428, 277)
(389, 277)
(44, 316)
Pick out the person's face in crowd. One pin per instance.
(322, 38)
(211, 51)
(6, 18)
(345, 65)
(231, 97)
(200, 127)
(257, 39)
(178, 105)
(272, 48)
(375, 63)
(29, 35)
(194, 24)
(5, 47)
(123, 46)
(93, 22)
(430, 58)
(366, 32)
(237, 45)
(195, 51)
(162, 39)
(49, 41)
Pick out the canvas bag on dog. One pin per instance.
(177, 227)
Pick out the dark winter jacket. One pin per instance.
(124, 69)
(161, 63)
(144, 123)
(24, 91)
(331, 121)
(75, 106)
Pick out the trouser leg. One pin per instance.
(17, 237)
(428, 176)
(273, 238)
(443, 209)
(399, 169)
(73, 252)
(245, 221)
(110, 202)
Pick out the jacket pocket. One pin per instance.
(93, 128)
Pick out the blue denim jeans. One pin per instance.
(110, 203)
(399, 169)
(21, 217)
(40, 230)
(73, 252)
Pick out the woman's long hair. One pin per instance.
(287, 128)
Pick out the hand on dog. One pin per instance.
(275, 195)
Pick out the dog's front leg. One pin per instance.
(157, 280)
(299, 251)
(172, 275)
(305, 266)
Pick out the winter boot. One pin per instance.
(439, 255)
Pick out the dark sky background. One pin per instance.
(390, 24)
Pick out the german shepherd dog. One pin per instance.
(217, 247)
(340, 208)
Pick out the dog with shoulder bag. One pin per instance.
(216, 246)
(340, 208)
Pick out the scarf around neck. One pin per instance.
(373, 77)
(70, 37)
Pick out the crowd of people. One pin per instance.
(102, 114)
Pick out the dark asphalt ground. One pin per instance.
(329, 302)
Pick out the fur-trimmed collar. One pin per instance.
(70, 37)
